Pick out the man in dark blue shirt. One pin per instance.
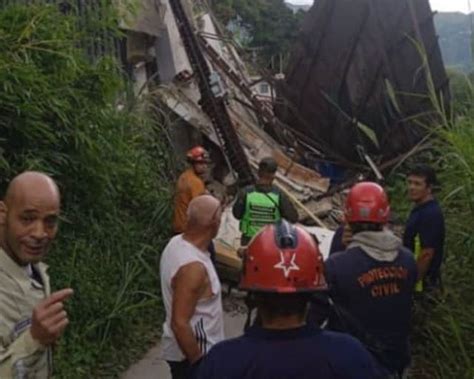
(372, 282)
(425, 230)
(282, 268)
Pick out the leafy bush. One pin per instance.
(269, 26)
(58, 114)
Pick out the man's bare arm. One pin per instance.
(188, 287)
(424, 262)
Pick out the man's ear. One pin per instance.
(3, 213)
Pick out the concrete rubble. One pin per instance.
(178, 90)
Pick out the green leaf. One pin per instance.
(369, 133)
(392, 95)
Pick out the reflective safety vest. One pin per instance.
(260, 209)
(419, 283)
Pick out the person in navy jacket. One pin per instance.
(283, 267)
(372, 282)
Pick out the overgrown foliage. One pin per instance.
(267, 25)
(444, 331)
(59, 114)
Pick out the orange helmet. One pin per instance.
(198, 155)
(283, 258)
(367, 202)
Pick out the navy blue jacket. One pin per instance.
(427, 221)
(302, 353)
(336, 242)
(373, 302)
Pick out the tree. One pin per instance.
(270, 23)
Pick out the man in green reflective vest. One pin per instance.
(262, 204)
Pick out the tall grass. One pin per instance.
(443, 340)
(450, 331)
(58, 114)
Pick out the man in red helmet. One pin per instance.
(372, 282)
(190, 185)
(283, 267)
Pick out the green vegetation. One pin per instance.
(444, 333)
(446, 343)
(268, 25)
(454, 30)
(59, 114)
(461, 90)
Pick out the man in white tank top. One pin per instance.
(191, 289)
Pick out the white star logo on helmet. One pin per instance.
(287, 263)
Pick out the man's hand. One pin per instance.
(424, 262)
(242, 251)
(49, 318)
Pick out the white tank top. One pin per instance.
(207, 321)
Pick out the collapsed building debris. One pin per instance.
(247, 114)
(363, 77)
(347, 105)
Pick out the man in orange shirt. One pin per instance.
(190, 185)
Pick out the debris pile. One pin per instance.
(363, 77)
(354, 96)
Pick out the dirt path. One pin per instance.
(152, 367)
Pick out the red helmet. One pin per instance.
(283, 258)
(367, 202)
(198, 155)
